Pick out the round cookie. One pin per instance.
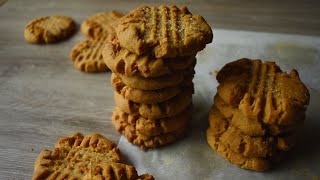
(256, 164)
(164, 109)
(153, 127)
(133, 136)
(87, 57)
(143, 96)
(250, 126)
(84, 157)
(165, 31)
(246, 145)
(161, 82)
(101, 24)
(121, 61)
(49, 29)
(262, 92)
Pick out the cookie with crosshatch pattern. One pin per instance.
(153, 127)
(263, 95)
(86, 55)
(84, 157)
(145, 141)
(248, 146)
(49, 29)
(165, 31)
(121, 61)
(101, 24)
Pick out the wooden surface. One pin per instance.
(42, 97)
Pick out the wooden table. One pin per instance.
(42, 97)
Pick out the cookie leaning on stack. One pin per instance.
(256, 112)
(152, 60)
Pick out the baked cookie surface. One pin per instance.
(83, 157)
(101, 24)
(87, 56)
(171, 80)
(153, 127)
(248, 146)
(143, 96)
(256, 164)
(49, 29)
(263, 91)
(165, 31)
(145, 141)
(249, 126)
(163, 109)
(122, 61)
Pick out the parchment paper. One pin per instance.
(192, 158)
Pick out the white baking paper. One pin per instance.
(192, 158)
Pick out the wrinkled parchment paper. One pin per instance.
(192, 158)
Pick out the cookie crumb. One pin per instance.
(214, 72)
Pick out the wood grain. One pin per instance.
(42, 97)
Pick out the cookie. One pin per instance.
(84, 157)
(101, 24)
(248, 146)
(165, 31)
(152, 127)
(171, 80)
(249, 126)
(262, 92)
(255, 164)
(122, 61)
(145, 141)
(49, 29)
(143, 96)
(164, 109)
(87, 57)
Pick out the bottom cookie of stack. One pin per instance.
(151, 133)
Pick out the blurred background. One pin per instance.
(299, 17)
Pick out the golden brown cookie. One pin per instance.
(262, 92)
(164, 109)
(171, 80)
(84, 157)
(255, 146)
(256, 164)
(101, 24)
(152, 127)
(144, 141)
(49, 29)
(165, 31)
(143, 96)
(250, 126)
(87, 57)
(122, 61)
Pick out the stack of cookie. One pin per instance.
(256, 112)
(152, 60)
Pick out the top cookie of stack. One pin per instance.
(152, 59)
(164, 32)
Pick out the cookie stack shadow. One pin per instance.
(152, 91)
(256, 113)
